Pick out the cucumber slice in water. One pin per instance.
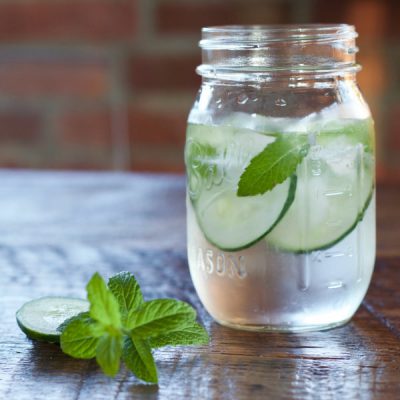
(233, 223)
(216, 157)
(349, 132)
(334, 188)
(39, 319)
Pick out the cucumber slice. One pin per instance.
(334, 188)
(232, 223)
(39, 319)
(216, 157)
(348, 132)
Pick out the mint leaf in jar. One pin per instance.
(277, 162)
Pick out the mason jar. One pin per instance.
(280, 178)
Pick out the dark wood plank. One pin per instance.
(57, 229)
(364, 355)
(383, 299)
(92, 208)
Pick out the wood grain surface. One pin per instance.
(57, 229)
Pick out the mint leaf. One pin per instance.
(76, 339)
(98, 329)
(103, 305)
(81, 316)
(192, 334)
(277, 162)
(108, 353)
(138, 358)
(160, 316)
(127, 291)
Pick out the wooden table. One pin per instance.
(57, 229)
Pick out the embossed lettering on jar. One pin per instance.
(280, 178)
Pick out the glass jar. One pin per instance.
(280, 178)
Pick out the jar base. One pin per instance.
(283, 328)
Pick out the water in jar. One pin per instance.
(299, 256)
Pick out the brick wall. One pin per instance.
(107, 84)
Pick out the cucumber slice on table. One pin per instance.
(216, 157)
(39, 319)
(334, 189)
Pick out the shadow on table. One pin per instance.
(47, 358)
(46, 364)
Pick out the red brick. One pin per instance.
(43, 77)
(51, 20)
(394, 18)
(261, 12)
(157, 159)
(387, 174)
(373, 19)
(369, 18)
(154, 127)
(85, 128)
(393, 130)
(179, 16)
(14, 164)
(20, 127)
(373, 78)
(329, 11)
(80, 165)
(164, 72)
(157, 138)
(81, 158)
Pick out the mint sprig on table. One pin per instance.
(120, 325)
(277, 162)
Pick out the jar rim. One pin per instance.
(256, 52)
(279, 27)
(226, 36)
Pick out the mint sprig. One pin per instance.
(121, 325)
(277, 162)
